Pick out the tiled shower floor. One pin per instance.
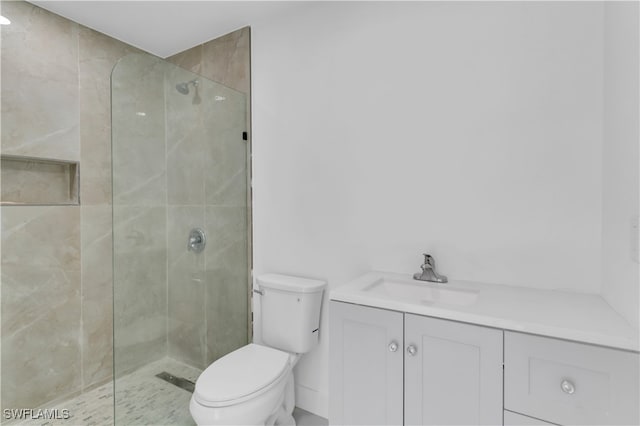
(143, 399)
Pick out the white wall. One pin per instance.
(469, 130)
(620, 159)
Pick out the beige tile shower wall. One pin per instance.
(139, 213)
(226, 261)
(211, 285)
(226, 273)
(225, 59)
(56, 261)
(41, 304)
(98, 55)
(186, 287)
(40, 101)
(185, 199)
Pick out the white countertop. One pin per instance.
(573, 316)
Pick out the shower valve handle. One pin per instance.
(197, 240)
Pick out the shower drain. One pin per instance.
(180, 382)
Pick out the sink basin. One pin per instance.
(426, 293)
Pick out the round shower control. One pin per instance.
(197, 240)
(567, 387)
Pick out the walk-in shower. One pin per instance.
(179, 174)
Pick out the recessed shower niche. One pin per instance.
(39, 181)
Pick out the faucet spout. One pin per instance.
(429, 271)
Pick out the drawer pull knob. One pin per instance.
(567, 387)
(393, 346)
(412, 350)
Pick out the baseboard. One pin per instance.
(312, 401)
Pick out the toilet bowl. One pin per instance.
(254, 385)
(246, 387)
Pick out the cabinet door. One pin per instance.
(365, 368)
(453, 373)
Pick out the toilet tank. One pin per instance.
(290, 311)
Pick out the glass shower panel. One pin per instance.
(139, 212)
(179, 170)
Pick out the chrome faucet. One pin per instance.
(429, 271)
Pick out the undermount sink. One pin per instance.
(423, 292)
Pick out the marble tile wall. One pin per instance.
(226, 281)
(185, 203)
(226, 59)
(139, 163)
(98, 55)
(41, 304)
(214, 283)
(140, 286)
(226, 216)
(140, 212)
(38, 76)
(186, 287)
(56, 283)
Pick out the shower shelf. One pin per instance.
(30, 181)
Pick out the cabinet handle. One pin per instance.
(567, 387)
(412, 350)
(393, 346)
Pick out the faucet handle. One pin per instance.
(429, 271)
(429, 260)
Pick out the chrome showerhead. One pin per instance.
(184, 87)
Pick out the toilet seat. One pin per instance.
(241, 375)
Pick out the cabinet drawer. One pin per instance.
(515, 419)
(570, 383)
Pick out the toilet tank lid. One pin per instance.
(290, 283)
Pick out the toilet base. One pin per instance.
(284, 415)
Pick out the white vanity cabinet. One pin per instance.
(407, 352)
(452, 371)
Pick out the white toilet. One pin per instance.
(254, 385)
